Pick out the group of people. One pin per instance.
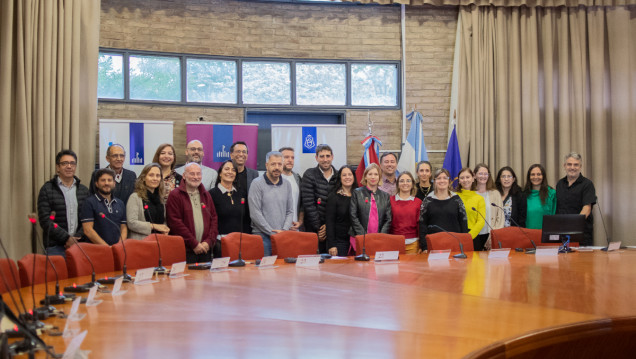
(202, 206)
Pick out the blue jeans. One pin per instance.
(267, 243)
(56, 251)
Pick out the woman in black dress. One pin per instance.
(337, 214)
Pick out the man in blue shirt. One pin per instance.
(103, 216)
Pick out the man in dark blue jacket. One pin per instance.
(124, 179)
(59, 202)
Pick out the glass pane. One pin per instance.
(155, 78)
(266, 83)
(211, 81)
(110, 82)
(321, 84)
(374, 85)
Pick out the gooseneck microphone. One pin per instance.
(604, 228)
(57, 297)
(485, 220)
(125, 275)
(42, 312)
(461, 246)
(159, 269)
(240, 262)
(364, 257)
(531, 251)
(84, 287)
(25, 316)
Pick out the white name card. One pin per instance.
(268, 262)
(555, 238)
(144, 276)
(547, 251)
(117, 287)
(72, 314)
(613, 246)
(499, 253)
(441, 254)
(387, 256)
(219, 264)
(177, 270)
(311, 260)
(71, 328)
(90, 301)
(73, 349)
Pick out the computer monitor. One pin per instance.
(557, 226)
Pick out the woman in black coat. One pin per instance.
(337, 216)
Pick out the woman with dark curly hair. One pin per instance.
(541, 198)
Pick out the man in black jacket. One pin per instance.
(64, 195)
(124, 179)
(316, 185)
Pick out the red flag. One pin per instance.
(370, 155)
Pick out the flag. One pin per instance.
(414, 149)
(304, 139)
(217, 138)
(370, 155)
(453, 161)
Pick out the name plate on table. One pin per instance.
(117, 287)
(71, 328)
(613, 246)
(311, 260)
(441, 254)
(219, 264)
(90, 301)
(499, 253)
(177, 270)
(73, 315)
(387, 256)
(267, 262)
(144, 276)
(73, 349)
(547, 251)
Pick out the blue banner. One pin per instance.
(452, 160)
(136, 153)
(309, 139)
(222, 139)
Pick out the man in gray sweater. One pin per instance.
(270, 201)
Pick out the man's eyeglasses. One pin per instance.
(68, 163)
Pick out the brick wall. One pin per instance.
(242, 28)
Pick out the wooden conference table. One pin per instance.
(347, 309)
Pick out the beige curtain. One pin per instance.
(537, 83)
(48, 101)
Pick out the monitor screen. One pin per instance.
(557, 226)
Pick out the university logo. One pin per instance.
(222, 154)
(309, 139)
(136, 150)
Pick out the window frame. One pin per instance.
(126, 53)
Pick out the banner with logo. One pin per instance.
(304, 139)
(217, 138)
(139, 138)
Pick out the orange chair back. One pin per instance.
(512, 237)
(25, 267)
(380, 242)
(293, 243)
(443, 240)
(251, 248)
(100, 255)
(141, 254)
(172, 248)
(10, 274)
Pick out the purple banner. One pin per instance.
(218, 138)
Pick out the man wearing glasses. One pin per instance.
(194, 153)
(124, 179)
(64, 195)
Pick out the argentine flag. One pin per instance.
(414, 149)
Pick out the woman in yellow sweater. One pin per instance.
(471, 200)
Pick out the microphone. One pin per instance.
(605, 229)
(461, 246)
(159, 269)
(364, 257)
(323, 255)
(83, 287)
(42, 312)
(488, 224)
(58, 297)
(531, 251)
(240, 262)
(125, 275)
(27, 316)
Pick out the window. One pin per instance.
(374, 85)
(196, 80)
(155, 78)
(321, 84)
(111, 78)
(211, 81)
(266, 83)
